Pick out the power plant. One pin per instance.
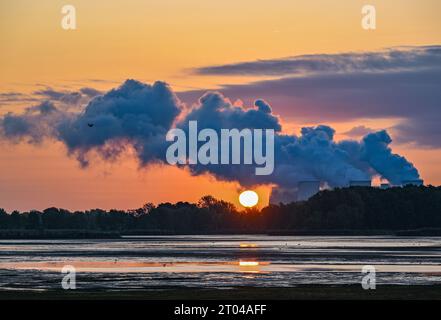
(306, 189)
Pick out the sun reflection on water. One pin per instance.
(248, 263)
(248, 245)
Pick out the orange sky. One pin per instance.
(162, 40)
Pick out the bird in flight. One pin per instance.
(90, 125)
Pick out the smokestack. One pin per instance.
(416, 182)
(306, 189)
(360, 183)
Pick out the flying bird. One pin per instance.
(90, 125)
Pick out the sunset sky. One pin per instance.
(199, 45)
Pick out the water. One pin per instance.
(159, 262)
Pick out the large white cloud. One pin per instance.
(140, 115)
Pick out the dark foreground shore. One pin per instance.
(319, 292)
(106, 235)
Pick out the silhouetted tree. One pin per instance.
(355, 208)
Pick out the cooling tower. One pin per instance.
(360, 183)
(417, 182)
(306, 189)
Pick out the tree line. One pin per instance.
(354, 208)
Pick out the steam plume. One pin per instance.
(139, 115)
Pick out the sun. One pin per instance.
(248, 198)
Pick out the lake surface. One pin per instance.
(158, 262)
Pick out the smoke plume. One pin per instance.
(139, 115)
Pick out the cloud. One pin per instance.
(393, 59)
(139, 115)
(135, 113)
(314, 155)
(376, 151)
(68, 97)
(358, 131)
(33, 126)
(13, 97)
(397, 83)
(90, 92)
(423, 131)
(216, 111)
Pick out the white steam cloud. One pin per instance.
(139, 115)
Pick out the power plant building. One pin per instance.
(307, 189)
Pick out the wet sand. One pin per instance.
(241, 266)
(234, 265)
(348, 292)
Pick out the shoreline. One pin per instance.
(304, 292)
(73, 234)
